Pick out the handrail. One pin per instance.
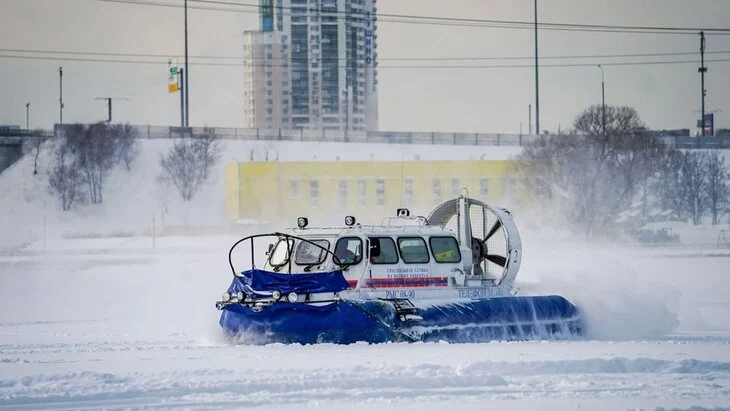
(279, 235)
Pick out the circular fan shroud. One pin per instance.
(492, 226)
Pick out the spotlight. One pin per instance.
(302, 222)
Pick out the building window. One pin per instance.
(294, 188)
(380, 192)
(314, 193)
(483, 188)
(361, 192)
(408, 192)
(436, 190)
(455, 187)
(342, 190)
(510, 186)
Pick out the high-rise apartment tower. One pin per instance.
(312, 65)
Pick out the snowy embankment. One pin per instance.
(135, 200)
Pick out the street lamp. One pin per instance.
(187, 82)
(27, 117)
(60, 94)
(537, 82)
(603, 101)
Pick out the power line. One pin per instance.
(452, 66)
(446, 21)
(442, 58)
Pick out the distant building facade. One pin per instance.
(266, 92)
(313, 65)
(370, 190)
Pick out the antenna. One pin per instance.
(109, 100)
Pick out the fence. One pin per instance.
(389, 137)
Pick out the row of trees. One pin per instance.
(84, 155)
(83, 158)
(604, 170)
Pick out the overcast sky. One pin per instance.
(484, 99)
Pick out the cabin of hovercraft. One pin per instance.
(403, 252)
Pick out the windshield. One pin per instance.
(309, 254)
(280, 254)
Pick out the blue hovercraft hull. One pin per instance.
(347, 321)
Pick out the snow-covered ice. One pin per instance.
(83, 329)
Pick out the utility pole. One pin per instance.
(109, 109)
(603, 102)
(347, 111)
(702, 71)
(537, 81)
(529, 118)
(27, 117)
(187, 82)
(181, 84)
(60, 99)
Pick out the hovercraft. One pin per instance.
(445, 277)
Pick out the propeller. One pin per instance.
(493, 230)
(497, 259)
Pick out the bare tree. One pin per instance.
(189, 161)
(126, 144)
(718, 192)
(89, 153)
(64, 179)
(208, 147)
(96, 154)
(694, 184)
(34, 144)
(595, 174)
(667, 183)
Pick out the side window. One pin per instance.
(386, 251)
(308, 253)
(413, 250)
(349, 250)
(445, 249)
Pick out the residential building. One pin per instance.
(325, 55)
(266, 92)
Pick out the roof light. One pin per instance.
(349, 221)
(302, 222)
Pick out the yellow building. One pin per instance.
(370, 190)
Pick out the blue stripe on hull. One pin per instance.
(375, 321)
(504, 318)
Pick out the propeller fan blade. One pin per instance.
(494, 229)
(497, 259)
